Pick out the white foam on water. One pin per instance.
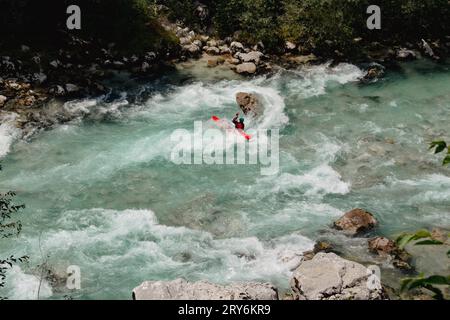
(319, 181)
(8, 133)
(103, 241)
(23, 286)
(313, 80)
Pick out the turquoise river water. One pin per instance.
(102, 193)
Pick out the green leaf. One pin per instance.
(439, 145)
(446, 160)
(428, 242)
(420, 234)
(404, 239)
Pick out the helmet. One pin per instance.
(241, 120)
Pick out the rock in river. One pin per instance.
(180, 289)
(355, 222)
(330, 277)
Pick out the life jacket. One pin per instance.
(239, 125)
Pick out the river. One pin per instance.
(102, 193)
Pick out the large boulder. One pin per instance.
(355, 222)
(248, 103)
(246, 68)
(330, 277)
(180, 289)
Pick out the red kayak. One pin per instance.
(225, 124)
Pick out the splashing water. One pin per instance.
(102, 193)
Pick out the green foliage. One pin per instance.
(440, 146)
(406, 238)
(9, 228)
(321, 25)
(130, 24)
(421, 281)
(429, 283)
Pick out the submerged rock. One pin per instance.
(180, 289)
(330, 277)
(355, 222)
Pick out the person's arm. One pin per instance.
(235, 118)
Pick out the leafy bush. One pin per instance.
(128, 23)
(9, 227)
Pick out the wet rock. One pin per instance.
(387, 248)
(180, 289)
(246, 68)
(406, 54)
(374, 72)
(355, 222)
(330, 277)
(319, 246)
(253, 56)
(248, 103)
(382, 246)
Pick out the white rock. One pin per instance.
(330, 277)
(290, 46)
(237, 46)
(213, 50)
(253, 56)
(180, 289)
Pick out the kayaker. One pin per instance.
(238, 124)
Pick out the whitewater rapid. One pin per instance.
(102, 193)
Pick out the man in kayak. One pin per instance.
(238, 124)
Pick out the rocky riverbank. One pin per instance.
(322, 274)
(31, 79)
